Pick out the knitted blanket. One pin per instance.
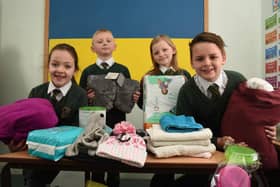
(23, 116)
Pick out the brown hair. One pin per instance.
(167, 39)
(210, 38)
(71, 50)
(68, 48)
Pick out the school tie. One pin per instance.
(104, 65)
(214, 90)
(56, 95)
(169, 72)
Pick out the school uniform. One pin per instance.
(113, 115)
(67, 108)
(66, 104)
(195, 100)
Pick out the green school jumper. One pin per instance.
(67, 109)
(192, 102)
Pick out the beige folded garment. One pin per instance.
(203, 155)
(189, 142)
(157, 134)
(180, 150)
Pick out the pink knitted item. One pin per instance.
(124, 127)
(131, 152)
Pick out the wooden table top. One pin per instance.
(151, 161)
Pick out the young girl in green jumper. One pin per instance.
(66, 96)
(164, 58)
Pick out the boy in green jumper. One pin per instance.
(103, 45)
(197, 99)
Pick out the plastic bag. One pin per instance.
(52, 143)
(239, 168)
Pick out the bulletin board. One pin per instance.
(134, 23)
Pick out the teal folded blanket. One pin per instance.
(181, 123)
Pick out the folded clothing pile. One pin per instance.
(182, 140)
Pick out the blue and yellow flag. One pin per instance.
(133, 22)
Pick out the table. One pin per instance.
(152, 164)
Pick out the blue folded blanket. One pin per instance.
(181, 123)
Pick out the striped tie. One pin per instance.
(55, 95)
(169, 72)
(214, 90)
(104, 65)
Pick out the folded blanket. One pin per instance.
(180, 150)
(203, 155)
(181, 123)
(23, 116)
(190, 142)
(157, 134)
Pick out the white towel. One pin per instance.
(157, 134)
(190, 142)
(203, 155)
(180, 150)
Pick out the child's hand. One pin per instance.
(223, 142)
(270, 132)
(17, 146)
(242, 144)
(90, 95)
(136, 96)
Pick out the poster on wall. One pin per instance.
(272, 50)
(133, 23)
(275, 5)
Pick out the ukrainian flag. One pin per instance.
(133, 22)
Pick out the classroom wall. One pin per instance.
(239, 22)
(21, 39)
